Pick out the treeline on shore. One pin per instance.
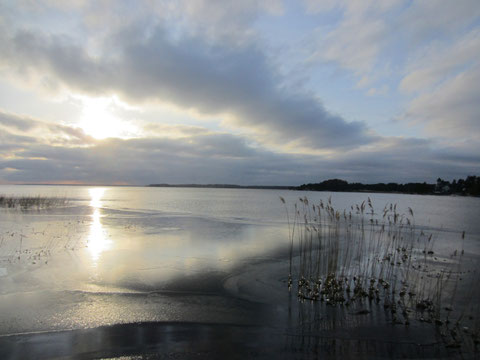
(468, 186)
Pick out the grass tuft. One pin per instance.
(31, 202)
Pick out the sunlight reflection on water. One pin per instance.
(98, 240)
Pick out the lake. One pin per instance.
(187, 270)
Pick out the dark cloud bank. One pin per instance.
(209, 158)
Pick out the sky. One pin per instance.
(238, 92)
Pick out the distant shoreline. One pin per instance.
(227, 186)
(53, 184)
(295, 188)
(332, 185)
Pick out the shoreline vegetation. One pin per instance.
(468, 187)
(31, 202)
(363, 262)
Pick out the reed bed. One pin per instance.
(31, 202)
(346, 258)
(17, 246)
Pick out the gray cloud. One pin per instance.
(218, 158)
(20, 129)
(188, 72)
(16, 122)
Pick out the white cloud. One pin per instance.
(383, 90)
(451, 110)
(362, 39)
(228, 21)
(438, 62)
(357, 40)
(445, 81)
(218, 21)
(431, 47)
(424, 20)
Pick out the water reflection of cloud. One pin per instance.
(97, 238)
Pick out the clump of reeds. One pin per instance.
(31, 202)
(361, 256)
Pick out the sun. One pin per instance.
(100, 121)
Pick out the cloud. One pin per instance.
(383, 90)
(211, 20)
(173, 131)
(397, 159)
(22, 129)
(239, 84)
(437, 19)
(206, 58)
(16, 122)
(215, 157)
(438, 63)
(445, 82)
(431, 48)
(143, 161)
(214, 20)
(451, 110)
(358, 39)
(366, 29)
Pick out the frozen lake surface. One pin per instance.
(163, 258)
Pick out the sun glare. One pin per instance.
(99, 119)
(96, 195)
(98, 240)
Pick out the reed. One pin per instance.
(31, 202)
(360, 256)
